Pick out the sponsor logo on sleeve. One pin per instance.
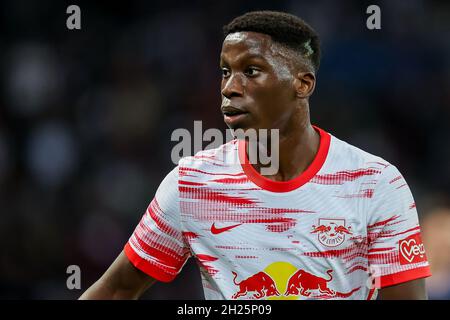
(411, 250)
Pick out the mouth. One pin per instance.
(232, 111)
(233, 115)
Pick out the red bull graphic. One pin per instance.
(303, 282)
(342, 230)
(261, 283)
(321, 229)
(293, 282)
(331, 232)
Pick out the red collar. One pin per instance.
(285, 186)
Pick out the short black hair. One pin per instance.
(283, 28)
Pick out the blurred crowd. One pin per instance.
(86, 118)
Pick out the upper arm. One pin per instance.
(121, 281)
(129, 278)
(411, 290)
(396, 253)
(157, 245)
(155, 251)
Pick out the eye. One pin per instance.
(252, 71)
(225, 72)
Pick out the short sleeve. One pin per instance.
(156, 246)
(396, 252)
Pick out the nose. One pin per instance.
(232, 86)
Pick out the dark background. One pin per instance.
(86, 118)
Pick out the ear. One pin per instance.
(304, 84)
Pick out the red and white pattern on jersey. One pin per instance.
(222, 196)
(241, 227)
(380, 248)
(157, 246)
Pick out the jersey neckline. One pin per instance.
(297, 182)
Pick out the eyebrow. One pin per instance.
(248, 56)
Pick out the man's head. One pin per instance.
(269, 60)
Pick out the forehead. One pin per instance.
(242, 43)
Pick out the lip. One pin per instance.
(230, 108)
(232, 114)
(232, 120)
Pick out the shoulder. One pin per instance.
(211, 159)
(168, 188)
(349, 155)
(381, 172)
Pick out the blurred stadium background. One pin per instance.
(86, 118)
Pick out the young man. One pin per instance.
(334, 222)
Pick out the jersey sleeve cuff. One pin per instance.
(146, 267)
(404, 276)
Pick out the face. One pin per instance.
(257, 82)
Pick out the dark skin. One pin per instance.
(271, 85)
(259, 79)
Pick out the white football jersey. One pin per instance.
(343, 228)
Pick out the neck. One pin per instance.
(298, 147)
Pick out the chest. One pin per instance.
(313, 219)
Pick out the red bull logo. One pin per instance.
(292, 282)
(321, 229)
(303, 283)
(261, 284)
(331, 232)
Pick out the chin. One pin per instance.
(243, 132)
(236, 126)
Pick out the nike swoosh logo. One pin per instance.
(215, 230)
